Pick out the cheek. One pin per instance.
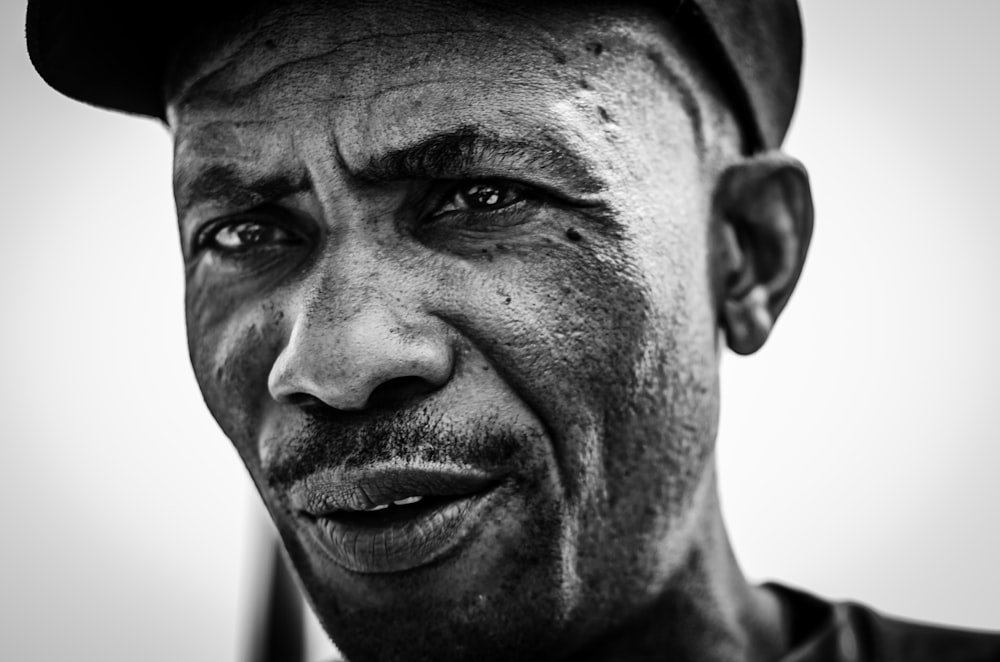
(565, 326)
(611, 342)
(660, 447)
(232, 344)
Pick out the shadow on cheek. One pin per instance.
(232, 350)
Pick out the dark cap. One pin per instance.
(112, 53)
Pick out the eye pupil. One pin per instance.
(484, 195)
(250, 233)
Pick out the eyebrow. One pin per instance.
(230, 185)
(467, 151)
(470, 151)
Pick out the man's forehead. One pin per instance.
(371, 92)
(324, 50)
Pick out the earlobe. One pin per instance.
(748, 321)
(763, 216)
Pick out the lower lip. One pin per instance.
(403, 544)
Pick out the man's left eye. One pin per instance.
(482, 197)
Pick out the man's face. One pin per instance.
(454, 260)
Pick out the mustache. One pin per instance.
(358, 439)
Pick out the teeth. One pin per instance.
(401, 502)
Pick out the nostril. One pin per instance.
(304, 400)
(398, 390)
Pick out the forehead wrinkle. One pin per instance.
(221, 138)
(398, 87)
(225, 83)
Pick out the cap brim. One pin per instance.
(109, 54)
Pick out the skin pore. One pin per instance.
(488, 236)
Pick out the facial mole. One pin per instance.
(595, 47)
(584, 84)
(559, 57)
(573, 234)
(605, 117)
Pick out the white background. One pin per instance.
(859, 450)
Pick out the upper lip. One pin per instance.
(328, 492)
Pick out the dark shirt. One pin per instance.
(849, 632)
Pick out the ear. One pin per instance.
(763, 221)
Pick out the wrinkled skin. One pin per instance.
(345, 308)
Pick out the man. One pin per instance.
(457, 277)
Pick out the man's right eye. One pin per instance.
(242, 235)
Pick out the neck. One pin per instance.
(708, 612)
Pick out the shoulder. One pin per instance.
(825, 631)
(890, 639)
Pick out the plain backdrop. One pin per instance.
(859, 450)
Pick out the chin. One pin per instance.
(499, 593)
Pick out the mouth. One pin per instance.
(392, 518)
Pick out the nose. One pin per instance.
(371, 358)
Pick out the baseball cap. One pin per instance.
(112, 53)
